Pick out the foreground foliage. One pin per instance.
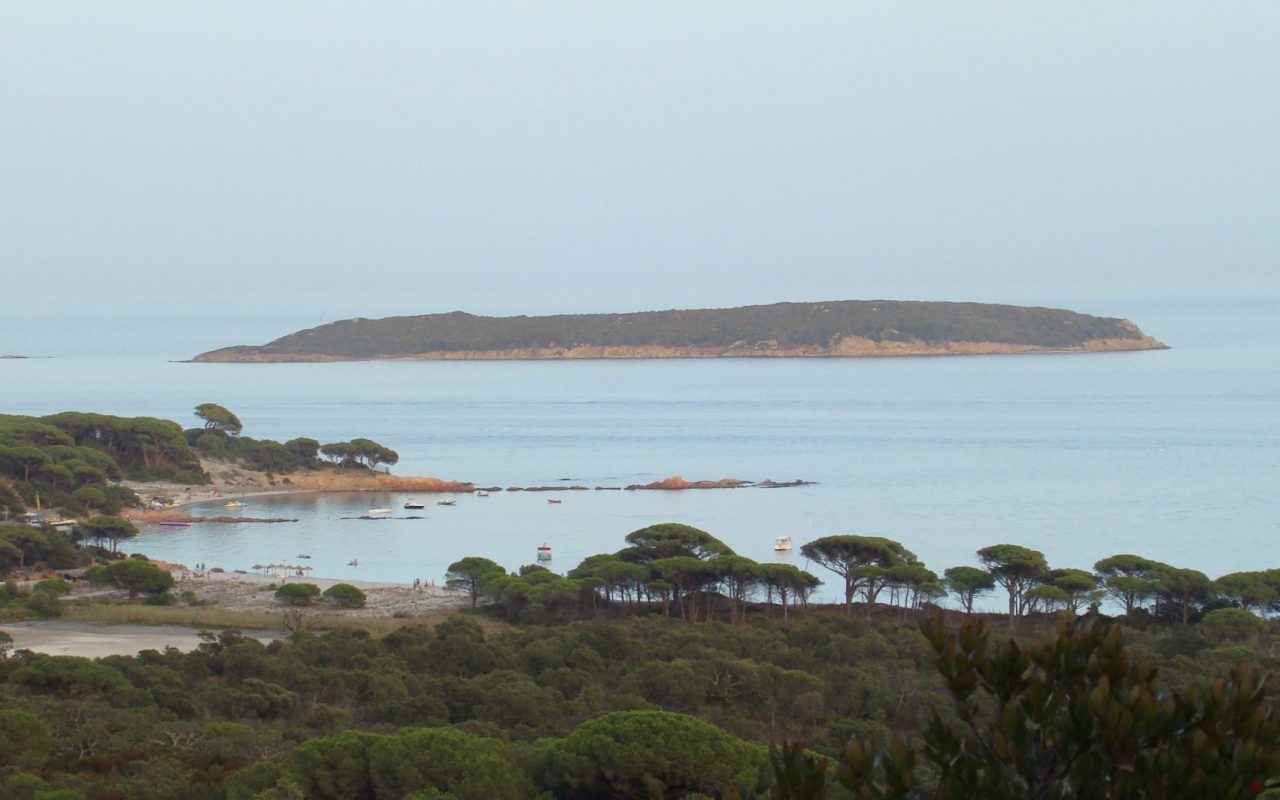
(642, 707)
(1074, 716)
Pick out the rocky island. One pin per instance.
(839, 328)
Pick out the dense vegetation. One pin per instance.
(665, 670)
(633, 707)
(73, 461)
(682, 571)
(221, 438)
(781, 325)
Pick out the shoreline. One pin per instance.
(851, 349)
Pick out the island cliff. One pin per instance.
(847, 328)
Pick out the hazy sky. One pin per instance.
(377, 158)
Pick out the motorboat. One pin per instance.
(353, 563)
(782, 544)
(303, 555)
(414, 504)
(233, 504)
(544, 552)
(446, 502)
(379, 512)
(553, 501)
(481, 493)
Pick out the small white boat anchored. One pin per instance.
(544, 552)
(412, 504)
(446, 502)
(481, 493)
(782, 544)
(379, 512)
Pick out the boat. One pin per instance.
(303, 555)
(553, 501)
(481, 493)
(353, 563)
(233, 504)
(173, 523)
(544, 552)
(446, 502)
(781, 544)
(414, 504)
(379, 512)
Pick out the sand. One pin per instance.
(58, 637)
(225, 590)
(240, 592)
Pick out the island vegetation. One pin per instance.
(836, 328)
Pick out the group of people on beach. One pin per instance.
(419, 584)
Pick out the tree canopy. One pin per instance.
(218, 418)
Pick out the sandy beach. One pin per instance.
(251, 592)
(228, 591)
(228, 481)
(57, 637)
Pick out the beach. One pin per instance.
(58, 637)
(226, 591)
(233, 591)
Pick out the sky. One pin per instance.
(329, 160)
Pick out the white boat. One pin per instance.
(781, 544)
(481, 493)
(379, 512)
(414, 504)
(446, 502)
(233, 504)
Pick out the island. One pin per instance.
(845, 328)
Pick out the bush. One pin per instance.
(160, 599)
(1232, 624)
(344, 594)
(54, 587)
(44, 604)
(297, 594)
(135, 576)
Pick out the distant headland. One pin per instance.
(844, 328)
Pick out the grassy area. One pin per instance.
(213, 617)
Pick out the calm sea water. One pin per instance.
(1172, 454)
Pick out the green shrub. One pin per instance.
(297, 594)
(54, 587)
(344, 594)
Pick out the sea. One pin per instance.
(1173, 454)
